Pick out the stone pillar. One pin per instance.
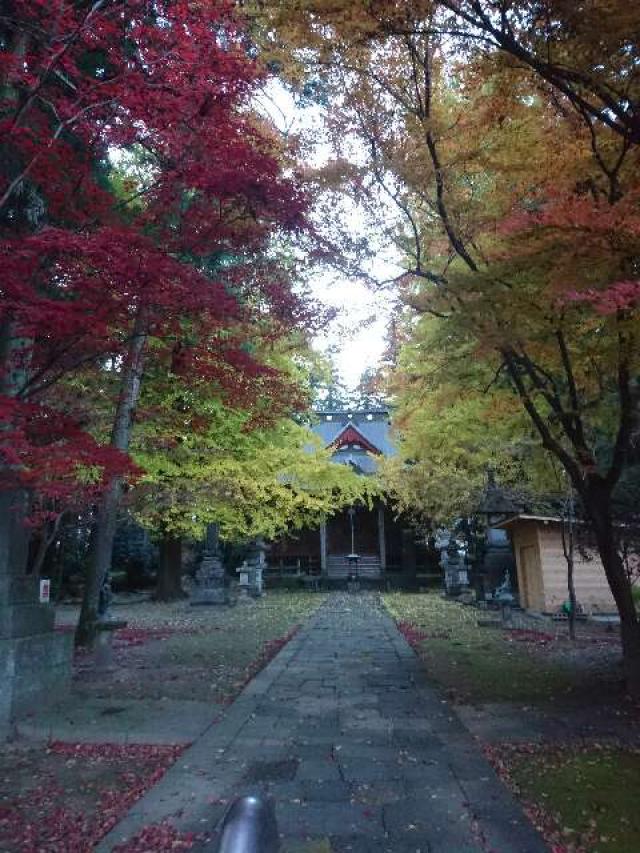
(257, 563)
(382, 542)
(35, 662)
(323, 548)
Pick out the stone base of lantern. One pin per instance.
(209, 595)
(244, 596)
(209, 587)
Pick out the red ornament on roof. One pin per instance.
(350, 435)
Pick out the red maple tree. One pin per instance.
(86, 272)
(174, 250)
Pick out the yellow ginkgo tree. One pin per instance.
(251, 480)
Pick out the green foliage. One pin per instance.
(456, 420)
(250, 480)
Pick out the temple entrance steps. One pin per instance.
(339, 568)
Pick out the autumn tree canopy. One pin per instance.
(95, 257)
(144, 204)
(492, 145)
(495, 145)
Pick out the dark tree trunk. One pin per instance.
(47, 535)
(169, 584)
(597, 506)
(106, 521)
(568, 547)
(99, 563)
(572, 597)
(14, 535)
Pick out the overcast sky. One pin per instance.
(356, 338)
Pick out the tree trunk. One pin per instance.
(107, 516)
(568, 548)
(597, 507)
(169, 584)
(47, 535)
(99, 563)
(14, 533)
(572, 596)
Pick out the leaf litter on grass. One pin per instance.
(478, 664)
(64, 797)
(176, 651)
(583, 798)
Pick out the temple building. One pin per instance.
(370, 543)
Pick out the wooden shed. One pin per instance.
(542, 567)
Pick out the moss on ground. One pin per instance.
(478, 664)
(592, 795)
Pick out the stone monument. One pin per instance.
(256, 564)
(209, 586)
(35, 662)
(244, 573)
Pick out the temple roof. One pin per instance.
(351, 435)
(357, 436)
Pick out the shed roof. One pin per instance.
(521, 516)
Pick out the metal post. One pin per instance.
(249, 826)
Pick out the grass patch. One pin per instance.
(203, 653)
(477, 664)
(590, 796)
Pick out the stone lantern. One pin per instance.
(456, 578)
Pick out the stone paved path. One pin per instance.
(359, 752)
